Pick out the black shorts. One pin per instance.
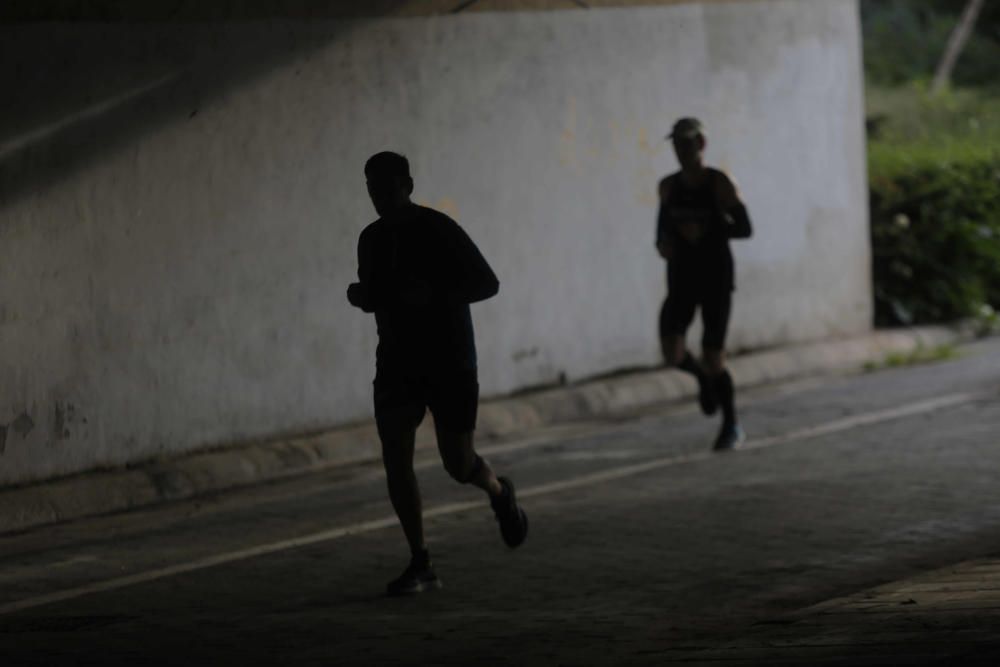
(678, 313)
(402, 397)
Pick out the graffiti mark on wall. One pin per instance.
(21, 427)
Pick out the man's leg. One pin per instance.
(398, 438)
(398, 412)
(463, 463)
(715, 315)
(467, 467)
(454, 404)
(675, 317)
(675, 353)
(397, 458)
(717, 373)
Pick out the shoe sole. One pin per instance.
(733, 445)
(422, 587)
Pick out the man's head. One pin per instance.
(389, 183)
(688, 137)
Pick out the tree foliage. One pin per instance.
(904, 40)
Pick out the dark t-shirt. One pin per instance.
(420, 248)
(707, 263)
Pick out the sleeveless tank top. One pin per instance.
(704, 261)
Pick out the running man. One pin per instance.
(418, 272)
(700, 211)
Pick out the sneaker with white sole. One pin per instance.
(730, 438)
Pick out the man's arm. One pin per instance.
(664, 232)
(466, 275)
(362, 294)
(737, 220)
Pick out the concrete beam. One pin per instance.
(179, 10)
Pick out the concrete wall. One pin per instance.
(180, 203)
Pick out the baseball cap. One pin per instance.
(686, 128)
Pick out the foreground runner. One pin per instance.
(418, 272)
(700, 211)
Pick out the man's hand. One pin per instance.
(738, 225)
(356, 295)
(666, 249)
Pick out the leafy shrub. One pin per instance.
(935, 236)
(933, 164)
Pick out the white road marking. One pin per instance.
(835, 426)
(853, 421)
(16, 572)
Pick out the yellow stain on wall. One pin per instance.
(448, 206)
(618, 138)
(644, 144)
(445, 205)
(567, 139)
(645, 182)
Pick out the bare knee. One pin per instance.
(461, 467)
(673, 349)
(714, 361)
(459, 459)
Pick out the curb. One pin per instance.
(95, 493)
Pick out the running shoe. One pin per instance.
(416, 578)
(730, 437)
(511, 517)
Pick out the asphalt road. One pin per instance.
(645, 548)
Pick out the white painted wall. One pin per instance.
(184, 286)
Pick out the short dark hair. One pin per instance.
(387, 165)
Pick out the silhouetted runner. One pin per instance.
(700, 211)
(418, 272)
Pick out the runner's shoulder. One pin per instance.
(725, 186)
(666, 184)
(376, 234)
(370, 231)
(432, 215)
(436, 222)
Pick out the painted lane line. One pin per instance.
(828, 428)
(16, 572)
(866, 419)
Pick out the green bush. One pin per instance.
(933, 164)
(935, 235)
